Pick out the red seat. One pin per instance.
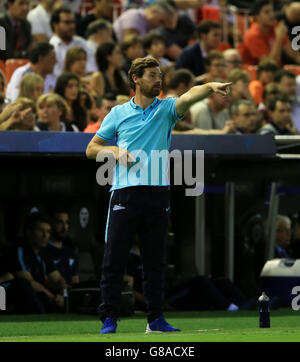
(11, 65)
(2, 66)
(293, 68)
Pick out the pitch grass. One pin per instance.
(211, 326)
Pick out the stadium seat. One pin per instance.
(2, 66)
(252, 70)
(293, 68)
(11, 65)
(210, 13)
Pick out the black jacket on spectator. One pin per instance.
(191, 58)
(26, 38)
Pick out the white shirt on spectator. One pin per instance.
(61, 49)
(92, 49)
(296, 106)
(13, 87)
(39, 19)
(203, 118)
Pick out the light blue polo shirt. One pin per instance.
(147, 135)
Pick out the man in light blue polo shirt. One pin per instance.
(139, 203)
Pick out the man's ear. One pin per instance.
(134, 78)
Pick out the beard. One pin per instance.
(150, 92)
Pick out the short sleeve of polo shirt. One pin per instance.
(170, 108)
(107, 130)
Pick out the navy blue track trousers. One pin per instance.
(138, 211)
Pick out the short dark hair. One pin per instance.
(55, 17)
(104, 50)
(205, 27)
(280, 98)
(41, 49)
(268, 65)
(138, 67)
(258, 5)
(34, 219)
(184, 76)
(105, 96)
(151, 37)
(235, 106)
(95, 26)
(283, 73)
(212, 55)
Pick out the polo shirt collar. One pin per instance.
(135, 106)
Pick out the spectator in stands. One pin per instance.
(59, 250)
(39, 18)
(281, 117)
(132, 48)
(75, 61)
(97, 33)
(177, 32)
(68, 86)
(104, 106)
(63, 25)
(2, 89)
(155, 47)
(42, 60)
(181, 81)
(18, 36)
(209, 38)
(27, 262)
(283, 236)
(21, 117)
(211, 113)
(141, 21)
(109, 59)
(215, 67)
(264, 38)
(102, 10)
(240, 80)
(271, 91)
(244, 116)
(52, 111)
(265, 74)
(31, 86)
(290, 15)
(288, 87)
(233, 59)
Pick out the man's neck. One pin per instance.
(37, 70)
(34, 248)
(143, 101)
(66, 41)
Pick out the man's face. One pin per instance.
(48, 62)
(150, 83)
(233, 62)
(19, 9)
(212, 39)
(61, 226)
(283, 234)
(156, 18)
(246, 120)
(105, 7)
(288, 86)
(266, 16)
(40, 236)
(105, 108)
(281, 116)
(217, 68)
(220, 101)
(241, 88)
(65, 29)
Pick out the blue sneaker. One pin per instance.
(109, 326)
(160, 325)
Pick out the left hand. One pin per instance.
(221, 88)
